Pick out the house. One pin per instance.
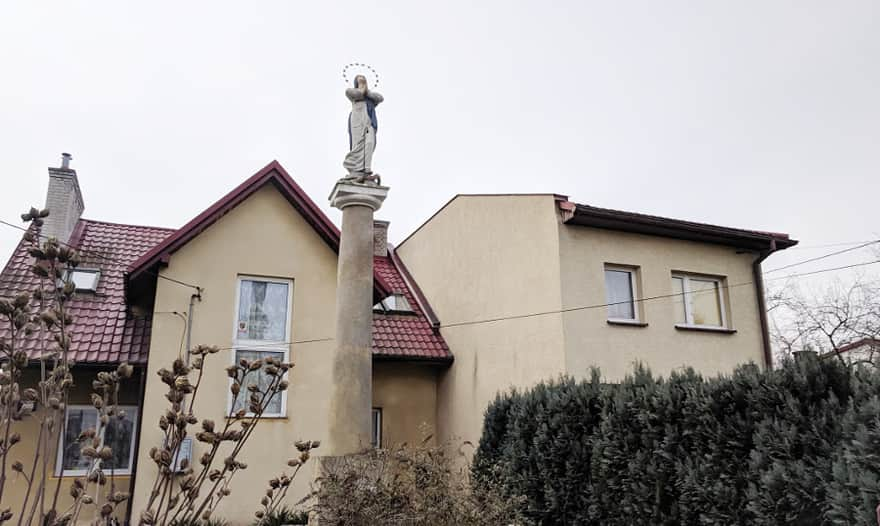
(530, 287)
(491, 292)
(864, 351)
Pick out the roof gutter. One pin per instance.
(762, 303)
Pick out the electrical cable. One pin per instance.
(106, 258)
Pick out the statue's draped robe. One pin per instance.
(362, 131)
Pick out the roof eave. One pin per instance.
(426, 360)
(272, 173)
(584, 215)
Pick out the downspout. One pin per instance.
(762, 303)
(137, 444)
(189, 320)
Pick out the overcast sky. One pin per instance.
(755, 114)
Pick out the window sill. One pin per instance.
(698, 328)
(264, 417)
(80, 474)
(627, 323)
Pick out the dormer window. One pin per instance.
(394, 304)
(85, 280)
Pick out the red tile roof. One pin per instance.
(273, 173)
(405, 336)
(103, 331)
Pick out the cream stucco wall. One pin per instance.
(504, 256)
(482, 258)
(591, 341)
(263, 236)
(407, 395)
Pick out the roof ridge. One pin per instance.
(115, 223)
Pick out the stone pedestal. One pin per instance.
(352, 374)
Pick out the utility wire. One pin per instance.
(559, 311)
(817, 258)
(278, 344)
(650, 298)
(571, 309)
(106, 258)
(828, 245)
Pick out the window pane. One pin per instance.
(78, 420)
(377, 428)
(262, 311)
(678, 300)
(260, 378)
(619, 294)
(119, 436)
(705, 302)
(84, 279)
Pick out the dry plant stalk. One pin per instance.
(278, 486)
(191, 494)
(407, 486)
(44, 310)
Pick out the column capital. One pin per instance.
(347, 193)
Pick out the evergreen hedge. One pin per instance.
(796, 445)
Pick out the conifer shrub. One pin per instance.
(796, 445)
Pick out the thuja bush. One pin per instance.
(796, 445)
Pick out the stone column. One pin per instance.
(352, 375)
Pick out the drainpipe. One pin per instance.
(137, 444)
(762, 303)
(189, 320)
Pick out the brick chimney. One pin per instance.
(64, 201)
(380, 238)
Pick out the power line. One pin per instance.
(828, 245)
(105, 258)
(278, 344)
(650, 298)
(817, 258)
(544, 313)
(570, 309)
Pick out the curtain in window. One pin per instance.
(78, 420)
(118, 435)
(705, 302)
(678, 300)
(262, 311)
(619, 294)
(260, 378)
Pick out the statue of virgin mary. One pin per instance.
(362, 126)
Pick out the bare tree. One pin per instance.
(829, 322)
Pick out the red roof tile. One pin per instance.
(103, 331)
(273, 173)
(405, 336)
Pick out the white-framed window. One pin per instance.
(395, 303)
(376, 436)
(119, 434)
(84, 279)
(698, 301)
(262, 329)
(620, 293)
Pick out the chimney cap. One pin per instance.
(65, 160)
